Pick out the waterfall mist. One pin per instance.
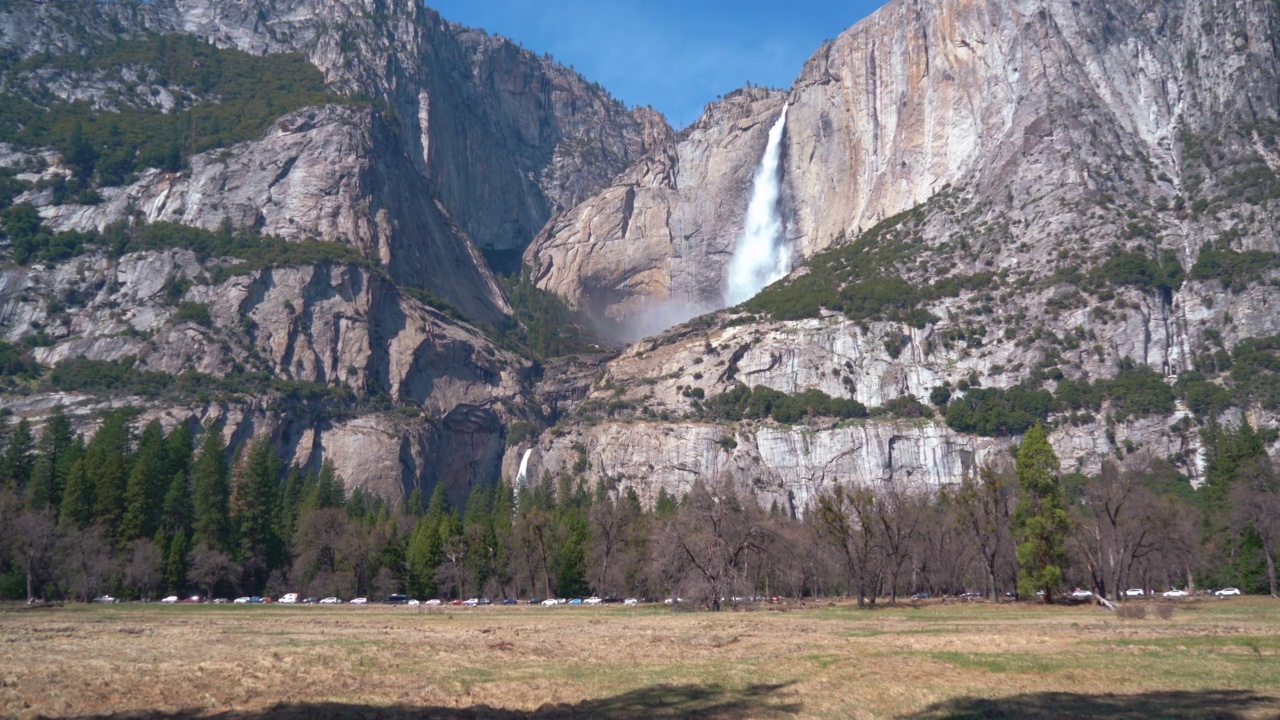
(761, 256)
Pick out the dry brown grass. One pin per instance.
(972, 660)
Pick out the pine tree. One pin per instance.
(144, 492)
(211, 494)
(291, 501)
(178, 448)
(56, 439)
(77, 499)
(175, 563)
(19, 457)
(106, 464)
(254, 500)
(1040, 523)
(176, 514)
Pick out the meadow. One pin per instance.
(1212, 658)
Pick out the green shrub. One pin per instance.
(194, 312)
(743, 403)
(1255, 372)
(1235, 270)
(249, 91)
(1138, 391)
(995, 412)
(862, 279)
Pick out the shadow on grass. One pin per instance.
(1200, 705)
(661, 702)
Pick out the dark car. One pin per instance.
(485, 601)
(510, 601)
(311, 601)
(536, 601)
(920, 596)
(397, 599)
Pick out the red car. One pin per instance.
(192, 599)
(456, 602)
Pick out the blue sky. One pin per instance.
(676, 56)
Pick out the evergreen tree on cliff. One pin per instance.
(1040, 523)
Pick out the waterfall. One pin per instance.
(761, 256)
(522, 476)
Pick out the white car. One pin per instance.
(241, 601)
(288, 598)
(1224, 592)
(360, 601)
(593, 600)
(631, 601)
(414, 603)
(472, 602)
(1081, 595)
(1177, 594)
(434, 602)
(549, 602)
(1134, 592)
(331, 601)
(174, 598)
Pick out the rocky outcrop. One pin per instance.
(647, 252)
(1034, 107)
(1022, 143)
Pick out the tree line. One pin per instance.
(140, 512)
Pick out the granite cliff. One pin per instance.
(1052, 210)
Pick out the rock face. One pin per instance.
(647, 250)
(466, 145)
(1032, 105)
(1030, 140)
(994, 159)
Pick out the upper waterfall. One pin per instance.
(761, 256)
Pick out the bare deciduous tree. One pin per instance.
(84, 560)
(846, 516)
(984, 506)
(208, 569)
(1255, 498)
(144, 567)
(711, 539)
(32, 547)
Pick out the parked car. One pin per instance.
(311, 601)
(221, 601)
(1134, 592)
(289, 598)
(972, 595)
(593, 600)
(258, 600)
(576, 601)
(193, 599)
(1177, 594)
(549, 602)
(631, 601)
(456, 603)
(433, 602)
(331, 600)
(360, 601)
(106, 599)
(510, 601)
(471, 602)
(486, 601)
(1224, 592)
(414, 603)
(537, 601)
(920, 596)
(169, 600)
(397, 599)
(1081, 594)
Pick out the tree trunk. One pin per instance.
(1271, 570)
